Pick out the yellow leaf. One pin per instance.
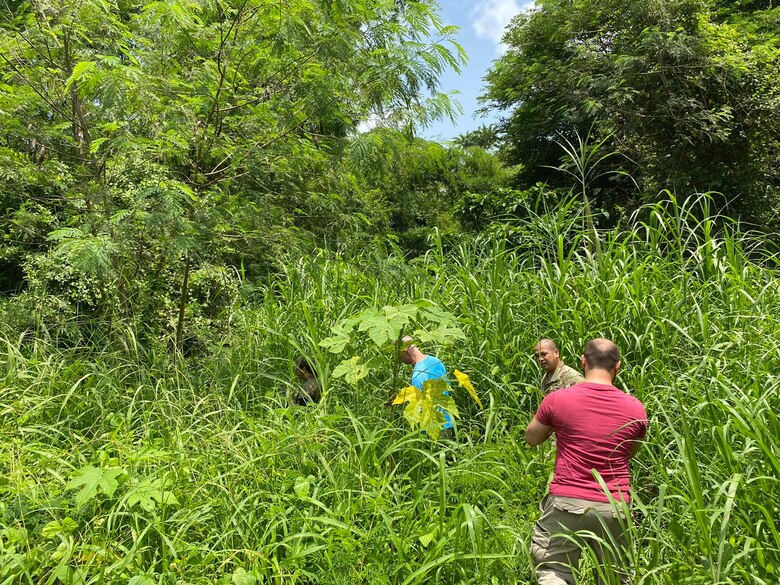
(408, 394)
(428, 417)
(438, 392)
(465, 382)
(423, 408)
(435, 388)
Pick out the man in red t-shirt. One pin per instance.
(598, 428)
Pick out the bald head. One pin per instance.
(601, 354)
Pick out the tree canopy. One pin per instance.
(142, 143)
(687, 91)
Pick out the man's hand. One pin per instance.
(536, 433)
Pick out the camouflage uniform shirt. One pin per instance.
(563, 377)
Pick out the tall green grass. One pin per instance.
(218, 481)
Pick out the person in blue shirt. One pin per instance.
(426, 367)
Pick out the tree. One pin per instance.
(689, 99)
(142, 143)
(485, 137)
(421, 182)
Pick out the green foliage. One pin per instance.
(385, 328)
(57, 528)
(344, 492)
(688, 97)
(422, 182)
(91, 480)
(485, 137)
(352, 370)
(150, 493)
(144, 147)
(167, 173)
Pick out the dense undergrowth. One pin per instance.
(121, 464)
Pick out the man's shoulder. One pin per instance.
(583, 387)
(429, 362)
(569, 376)
(426, 369)
(634, 401)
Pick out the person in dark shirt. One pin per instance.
(309, 392)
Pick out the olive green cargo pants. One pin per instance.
(566, 527)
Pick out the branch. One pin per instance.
(50, 103)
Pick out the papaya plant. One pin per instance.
(376, 336)
(424, 408)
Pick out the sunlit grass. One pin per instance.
(342, 492)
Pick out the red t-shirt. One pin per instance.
(595, 426)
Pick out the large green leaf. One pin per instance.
(376, 324)
(352, 370)
(59, 527)
(401, 313)
(340, 338)
(442, 335)
(90, 480)
(434, 313)
(151, 493)
(335, 344)
(385, 326)
(241, 577)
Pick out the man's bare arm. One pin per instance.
(536, 433)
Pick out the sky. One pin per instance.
(482, 24)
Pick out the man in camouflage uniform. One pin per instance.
(557, 374)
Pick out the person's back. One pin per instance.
(596, 426)
(309, 392)
(426, 367)
(430, 368)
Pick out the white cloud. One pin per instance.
(492, 16)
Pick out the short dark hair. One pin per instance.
(303, 364)
(602, 354)
(548, 341)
